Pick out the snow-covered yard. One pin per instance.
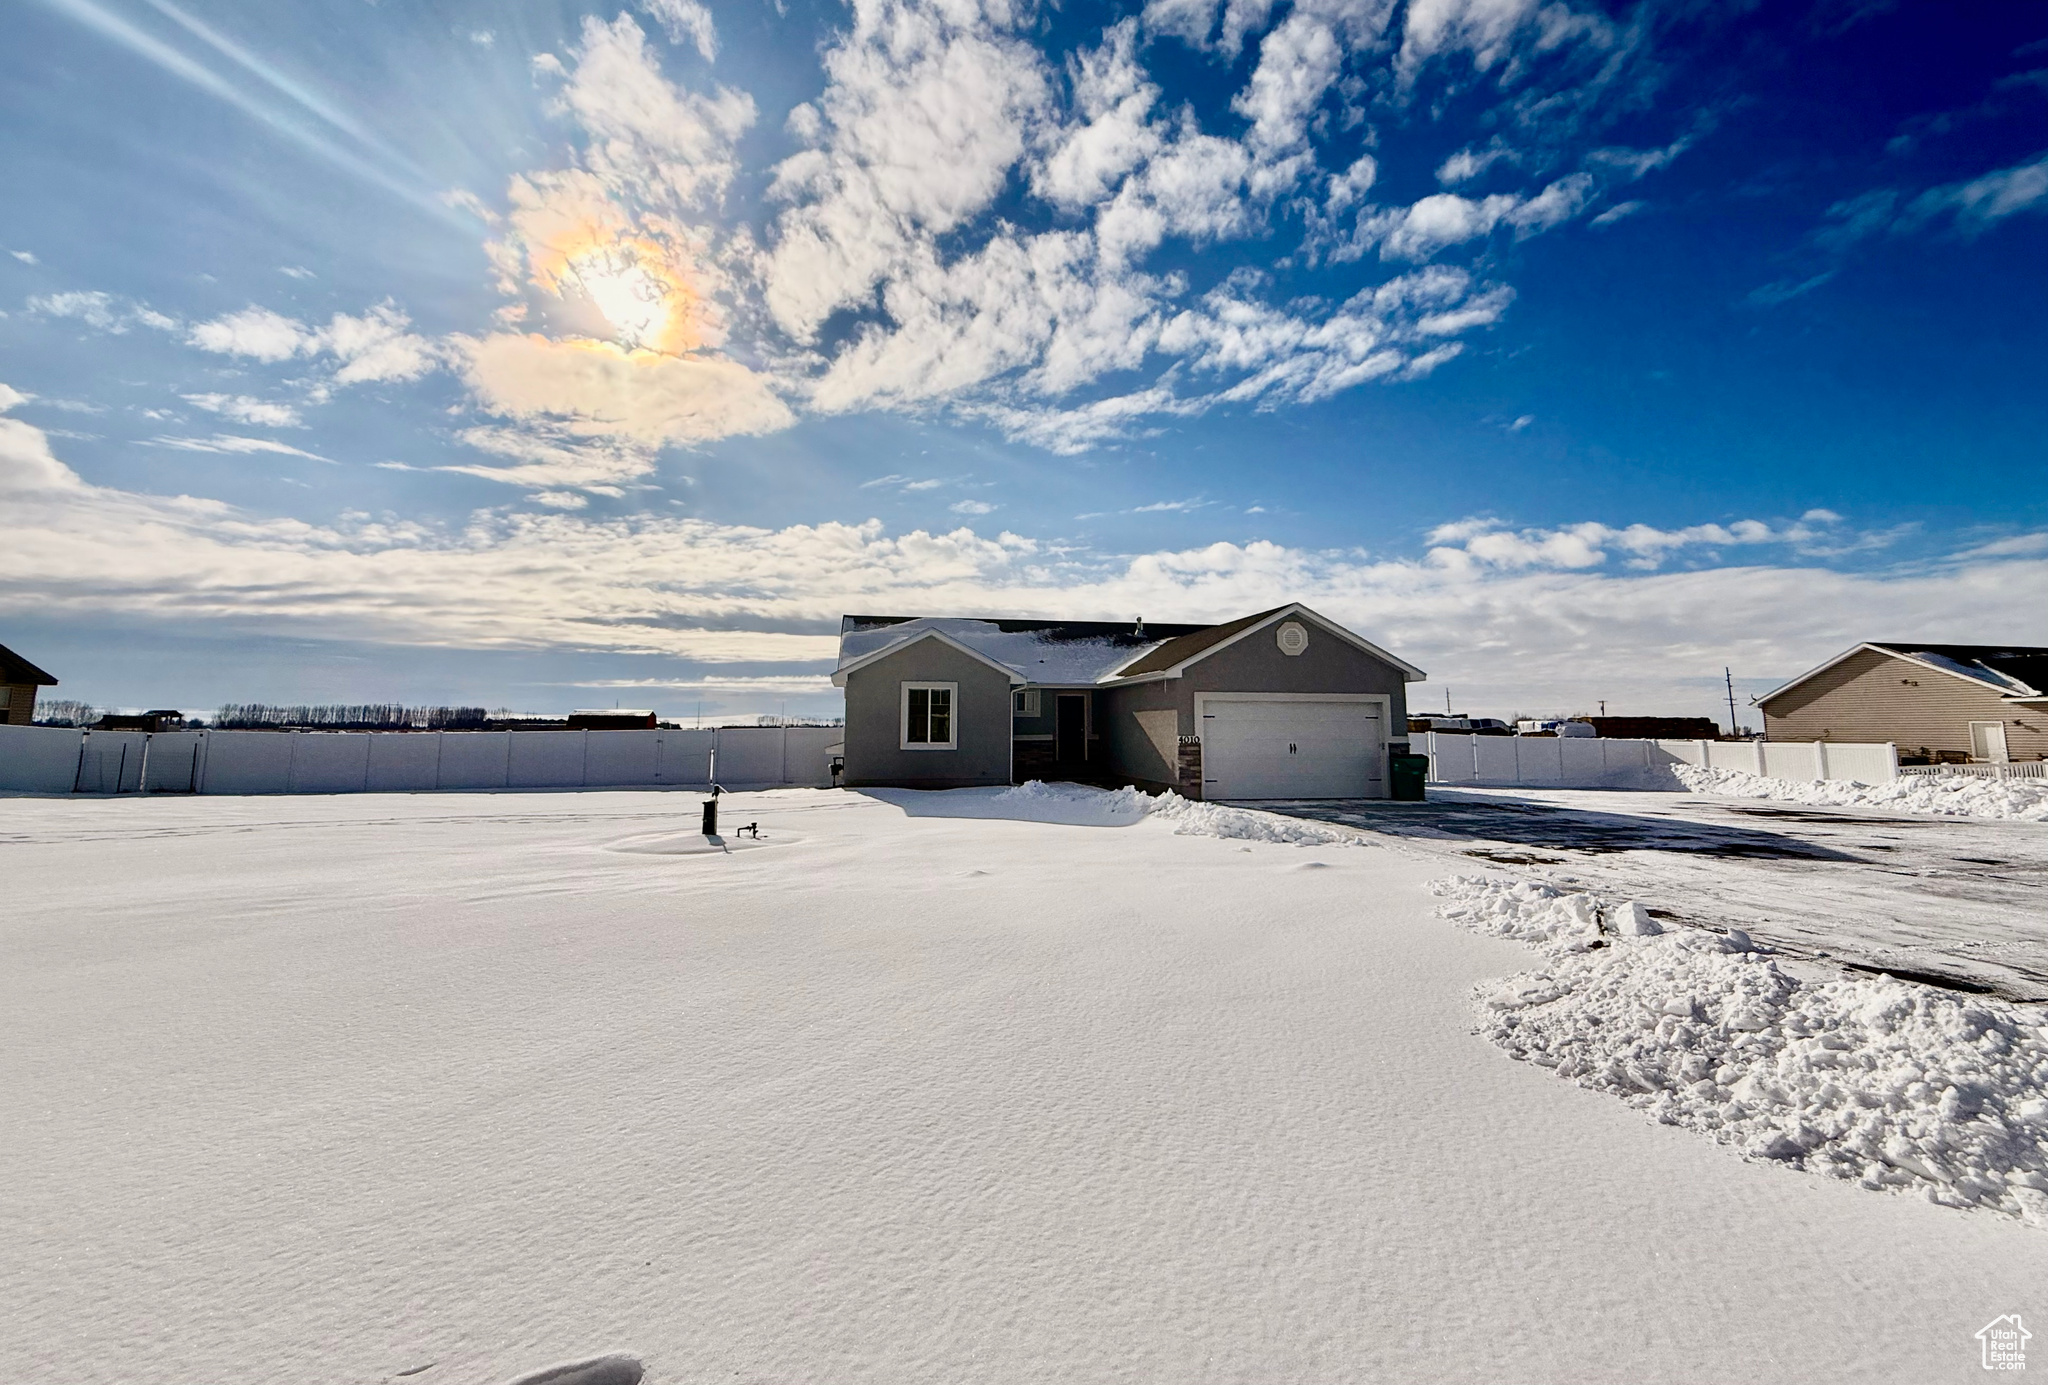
(921, 1088)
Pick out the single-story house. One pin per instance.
(19, 680)
(1934, 701)
(1283, 704)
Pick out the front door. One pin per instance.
(1070, 729)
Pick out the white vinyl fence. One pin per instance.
(43, 759)
(1597, 762)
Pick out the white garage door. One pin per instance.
(1284, 749)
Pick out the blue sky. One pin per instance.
(549, 355)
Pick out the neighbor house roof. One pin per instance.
(1070, 652)
(2018, 673)
(15, 669)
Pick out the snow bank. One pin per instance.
(1897, 1086)
(1949, 795)
(1079, 806)
(1192, 819)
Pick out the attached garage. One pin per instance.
(1304, 745)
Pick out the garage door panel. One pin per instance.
(1288, 749)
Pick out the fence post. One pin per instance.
(1820, 759)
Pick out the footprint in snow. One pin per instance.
(970, 874)
(1313, 865)
(615, 1368)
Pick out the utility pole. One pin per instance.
(1603, 706)
(1447, 699)
(1729, 678)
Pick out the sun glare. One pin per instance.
(634, 302)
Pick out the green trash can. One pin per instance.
(1410, 773)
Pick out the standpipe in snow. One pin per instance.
(711, 803)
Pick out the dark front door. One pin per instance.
(1071, 728)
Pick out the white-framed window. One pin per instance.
(929, 721)
(1027, 702)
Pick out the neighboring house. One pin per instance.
(1282, 704)
(19, 680)
(1934, 701)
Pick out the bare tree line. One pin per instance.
(372, 716)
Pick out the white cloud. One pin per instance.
(374, 347)
(257, 333)
(538, 456)
(103, 312)
(240, 408)
(1511, 629)
(687, 21)
(1433, 223)
(595, 389)
(1616, 213)
(925, 112)
(1555, 205)
(1195, 21)
(560, 500)
(1468, 163)
(1981, 202)
(1113, 98)
(649, 139)
(971, 507)
(231, 443)
(1470, 543)
(377, 347)
(1972, 207)
(25, 256)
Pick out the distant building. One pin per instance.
(1656, 728)
(1951, 702)
(162, 719)
(19, 680)
(612, 719)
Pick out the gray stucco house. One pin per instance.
(1282, 704)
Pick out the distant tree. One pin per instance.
(382, 716)
(60, 711)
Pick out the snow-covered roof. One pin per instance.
(1048, 652)
(1073, 653)
(1983, 668)
(2019, 672)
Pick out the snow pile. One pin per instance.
(1897, 1086)
(1193, 819)
(1075, 804)
(1952, 795)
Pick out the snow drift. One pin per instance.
(1894, 1085)
(1948, 795)
(1076, 805)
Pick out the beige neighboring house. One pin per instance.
(19, 680)
(1979, 702)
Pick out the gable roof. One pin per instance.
(904, 642)
(1173, 656)
(1184, 648)
(2018, 673)
(15, 669)
(1070, 653)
